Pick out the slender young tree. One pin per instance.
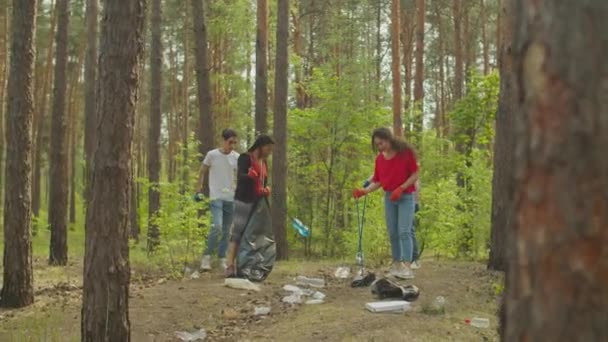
(105, 300)
(17, 282)
(261, 68)
(156, 61)
(562, 131)
(419, 81)
(205, 122)
(58, 173)
(458, 53)
(90, 78)
(279, 161)
(504, 156)
(396, 66)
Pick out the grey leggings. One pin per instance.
(242, 212)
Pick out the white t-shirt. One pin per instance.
(222, 174)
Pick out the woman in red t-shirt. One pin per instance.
(396, 172)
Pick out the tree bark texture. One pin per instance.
(557, 280)
(419, 81)
(90, 78)
(261, 69)
(58, 169)
(279, 162)
(17, 282)
(105, 302)
(396, 66)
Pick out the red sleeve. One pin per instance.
(376, 177)
(412, 164)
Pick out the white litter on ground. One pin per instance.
(397, 306)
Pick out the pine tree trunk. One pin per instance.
(458, 55)
(17, 282)
(186, 105)
(279, 161)
(105, 302)
(504, 155)
(90, 78)
(261, 69)
(419, 81)
(557, 281)
(40, 134)
(3, 75)
(484, 37)
(154, 164)
(205, 122)
(58, 173)
(396, 67)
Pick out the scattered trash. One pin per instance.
(363, 280)
(342, 272)
(161, 281)
(318, 295)
(392, 306)
(187, 270)
(294, 298)
(292, 288)
(478, 322)
(384, 288)
(439, 303)
(199, 335)
(241, 284)
(230, 314)
(297, 293)
(312, 282)
(261, 310)
(303, 230)
(195, 275)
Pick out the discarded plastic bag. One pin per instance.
(199, 335)
(478, 322)
(318, 295)
(314, 301)
(294, 298)
(342, 272)
(390, 307)
(292, 288)
(363, 280)
(312, 282)
(241, 284)
(384, 288)
(261, 310)
(195, 275)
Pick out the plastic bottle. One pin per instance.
(479, 322)
(241, 284)
(312, 282)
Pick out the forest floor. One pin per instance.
(159, 307)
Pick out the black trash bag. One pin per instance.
(384, 288)
(363, 280)
(257, 251)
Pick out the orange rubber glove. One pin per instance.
(358, 193)
(266, 192)
(396, 194)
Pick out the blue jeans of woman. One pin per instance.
(399, 221)
(222, 213)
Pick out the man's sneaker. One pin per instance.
(404, 273)
(223, 264)
(206, 263)
(415, 265)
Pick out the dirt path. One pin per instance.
(160, 308)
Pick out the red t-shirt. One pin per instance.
(392, 173)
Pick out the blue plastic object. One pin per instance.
(300, 228)
(366, 183)
(198, 197)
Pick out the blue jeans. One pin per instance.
(399, 221)
(415, 250)
(221, 220)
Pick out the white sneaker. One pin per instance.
(223, 264)
(404, 273)
(394, 270)
(415, 265)
(206, 263)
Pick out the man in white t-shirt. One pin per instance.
(221, 164)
